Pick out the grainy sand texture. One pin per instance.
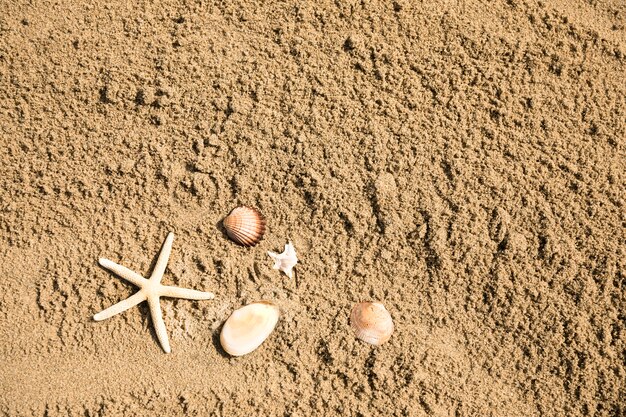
(462, 162)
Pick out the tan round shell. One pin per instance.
(248, 327)
(245, 225)
(371, 322)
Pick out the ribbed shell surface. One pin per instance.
(371, 322)
(245, 225)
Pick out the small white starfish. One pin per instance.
(285, 261)
(150, 289)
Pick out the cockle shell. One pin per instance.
(371, 322)
(245, 225)
(248, 327)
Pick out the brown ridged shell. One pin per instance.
(245, 225)
(371, 322)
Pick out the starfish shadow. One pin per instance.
(146, 320)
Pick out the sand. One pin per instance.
(462, 162)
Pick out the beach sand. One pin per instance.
(462, 162)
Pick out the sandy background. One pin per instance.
(461, 161)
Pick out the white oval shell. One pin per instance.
(245, 225)
(371, 322)
(248, 327)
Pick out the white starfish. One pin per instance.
(150, 289)
(285, 261)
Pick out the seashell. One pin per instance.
(248, 327)
(371, 322)
(245, 225)
(285, 261)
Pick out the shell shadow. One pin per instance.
(220, 226)
(215, 339)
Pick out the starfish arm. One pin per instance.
(122, 272)
(164, 256)
(123, 305)
(176, 292)
(159, 324)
